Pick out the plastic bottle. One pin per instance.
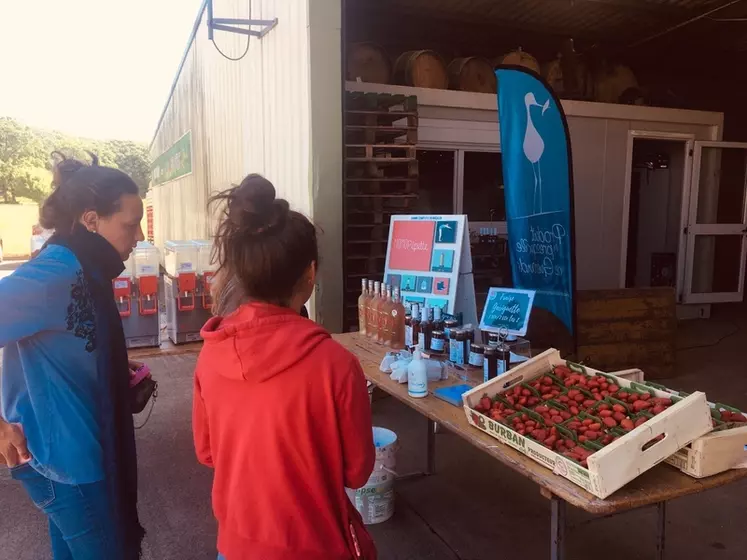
(417, 376)
(363, 307)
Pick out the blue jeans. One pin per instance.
(81, 525)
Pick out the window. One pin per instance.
(436, 181)
(456, 181)
(482, 193)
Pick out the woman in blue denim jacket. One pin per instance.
(66, 428)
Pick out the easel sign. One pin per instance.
(429, 259)
(508, 309)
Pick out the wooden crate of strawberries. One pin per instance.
(723, 449)
(595, 429)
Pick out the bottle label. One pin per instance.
(501, 367)
(476, 359)
(485, 371)
(408, 335)
(437, 344)
(456, 352)
(417, 384)
(421, 340)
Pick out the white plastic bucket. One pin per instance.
(375, 501)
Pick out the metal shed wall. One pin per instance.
(277, 112)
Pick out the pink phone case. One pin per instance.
(140, 373)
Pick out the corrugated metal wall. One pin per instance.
(259, 115)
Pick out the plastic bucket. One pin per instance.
(375, 501)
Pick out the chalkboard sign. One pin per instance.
(509, 309)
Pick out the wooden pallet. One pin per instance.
(381, 172)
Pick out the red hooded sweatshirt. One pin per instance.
(281, 412)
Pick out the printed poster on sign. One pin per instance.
(508, 309)
(428, 258)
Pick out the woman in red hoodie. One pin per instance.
(281, 411)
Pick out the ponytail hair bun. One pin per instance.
(79, 186)
(262, 242)
(254, 207)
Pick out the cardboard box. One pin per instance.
(619, 462)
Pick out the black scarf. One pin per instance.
(101, 264)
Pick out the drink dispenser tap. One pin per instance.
(123, 295)
(147, 295)
(187, 284)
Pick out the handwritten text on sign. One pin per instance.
(509, 309)
(548, 244)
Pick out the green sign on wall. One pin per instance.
(173, 163)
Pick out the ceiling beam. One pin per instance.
(641, 6)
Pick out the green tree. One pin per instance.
(25, 162)
(132, 158)
(22, 158)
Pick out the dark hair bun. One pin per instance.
(255, 207)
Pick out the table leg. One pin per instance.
(557, 528)
(661, 529)
(431, 448)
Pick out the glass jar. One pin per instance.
(476, 355)
(450, 325)
(456, 347)
(438, 341)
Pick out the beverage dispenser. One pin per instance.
(183, 315)
(136, 294)
(206, 269)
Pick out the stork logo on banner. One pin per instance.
(538, 190)
(534, 147)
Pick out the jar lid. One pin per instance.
(477, 348)
(451, 323)
(490, 350)
(440, 333)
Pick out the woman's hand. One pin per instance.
(134, 366)
(13, 450)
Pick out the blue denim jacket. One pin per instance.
(49, 382)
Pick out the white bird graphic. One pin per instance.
(534, 146)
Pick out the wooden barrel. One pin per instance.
(368, 62)
(519, 58)
(553, 74)
(424, 69)
(610, 84)
(472, 74)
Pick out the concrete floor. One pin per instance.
(473, 508)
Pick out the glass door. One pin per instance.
(716, 226)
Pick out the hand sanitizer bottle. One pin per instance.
(417, 376)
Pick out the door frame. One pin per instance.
(694, 229)
(687, 139)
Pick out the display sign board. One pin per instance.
(429, 258)
(508, 309)
(174, 163)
